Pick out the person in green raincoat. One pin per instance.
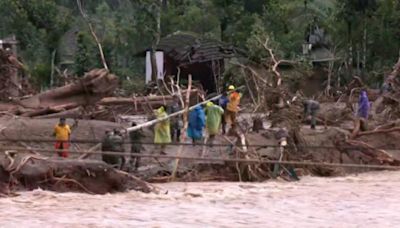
(162, 133)
(213, 120)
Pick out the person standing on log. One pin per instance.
(232, 108)
(136, 147)
(363, 110)
(162, 131)
(176, 122)
(197, 122)
(213, 120)
(311, 108)
(62, 132)
(223, 102)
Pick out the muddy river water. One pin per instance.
(366, 200)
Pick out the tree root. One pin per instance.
(64, 179)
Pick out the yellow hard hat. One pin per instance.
(231, 87)
(209, 104)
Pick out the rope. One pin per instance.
(188, 144)
(241, 160)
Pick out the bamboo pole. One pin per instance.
(152, 122)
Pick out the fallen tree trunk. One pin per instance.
(378, 131)
(75, 113)
(89, 176)
(139, 100)
(91, 88)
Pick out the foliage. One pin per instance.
(126, 28)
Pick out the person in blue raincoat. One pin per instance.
(363, 110)
(197, 122)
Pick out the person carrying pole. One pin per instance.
(311, 108)
(113, 142)
(232, 108)
(162, 131)
(62, 132)
(197, 122)
(213, 120)
(136, 147)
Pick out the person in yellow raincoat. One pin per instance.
(213, 120)
(162, 133)
(232, 107)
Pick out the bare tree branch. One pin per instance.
(85, 16)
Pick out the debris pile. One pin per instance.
(338, 140)
(89, 97)
(10, 83)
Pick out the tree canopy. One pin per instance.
(363, 34)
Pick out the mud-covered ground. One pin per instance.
(366, 200)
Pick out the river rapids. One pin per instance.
(370, 199)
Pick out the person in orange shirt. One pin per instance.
(232, 108)
(62, 132)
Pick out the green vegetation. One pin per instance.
(364, 34)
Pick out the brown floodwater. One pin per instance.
(366, 200)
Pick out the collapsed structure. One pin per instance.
(184, 53)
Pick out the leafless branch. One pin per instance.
(85, 16)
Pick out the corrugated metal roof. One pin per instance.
(187, 48)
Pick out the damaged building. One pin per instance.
(203, 58)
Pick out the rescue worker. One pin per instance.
(232, 108)
(176, 122)
(162, 132)
(363, 110)
(197, 122)
(213, 120)
(113, 142)
(311, 108)
(62, 132)
(223, 101)
(136, 147)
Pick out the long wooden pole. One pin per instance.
(152, 122)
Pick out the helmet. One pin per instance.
(209, 104)
(231, 87)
